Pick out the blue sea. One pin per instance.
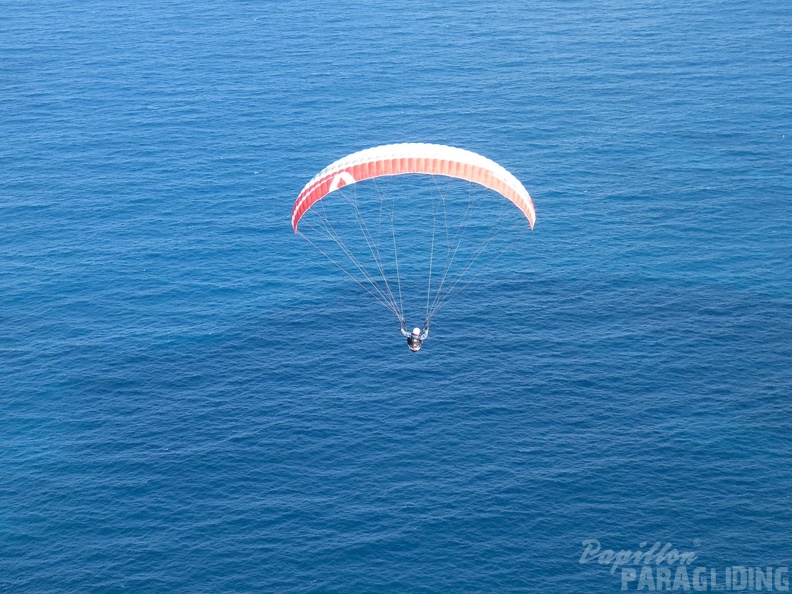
(192, 399)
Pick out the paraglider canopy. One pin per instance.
(398, 159)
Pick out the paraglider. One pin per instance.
(465, 200)
(415, 338)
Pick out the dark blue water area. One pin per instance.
(193, 400)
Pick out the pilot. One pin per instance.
(415, 338)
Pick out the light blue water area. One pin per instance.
(192, 400)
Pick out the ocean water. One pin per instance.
(193, 400)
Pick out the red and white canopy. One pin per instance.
(398, 159)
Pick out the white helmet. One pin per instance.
(416, 331)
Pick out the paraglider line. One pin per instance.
(333, 235)
(449, 297)
(365, 288)
(458, 241)
(373, 248)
